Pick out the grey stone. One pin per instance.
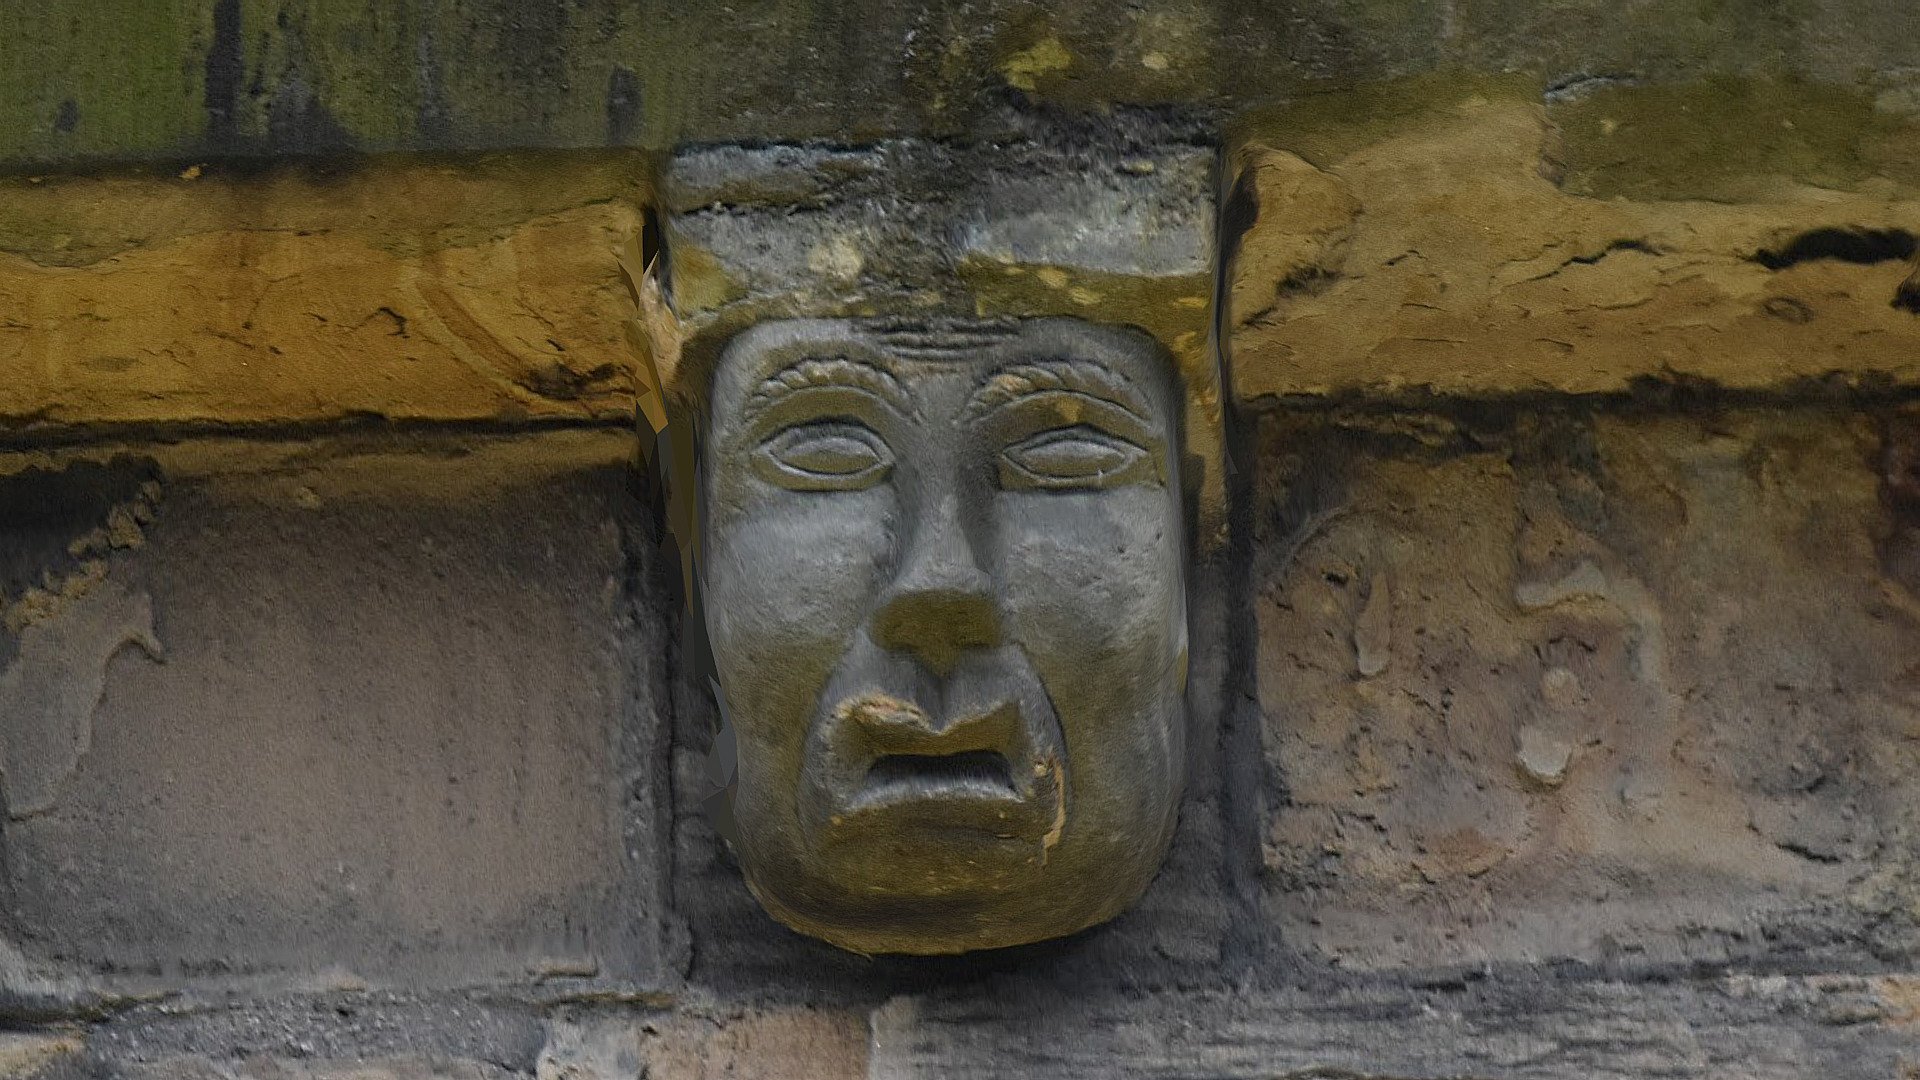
(1654, 703)
(401, 731)
(1769, 1028)
(944, 571)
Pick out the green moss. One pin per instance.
(123, 78)
(89, 79)
(1720, 139)
(1656, 42)
(1324, 124)
(406, 206)
(358, 58)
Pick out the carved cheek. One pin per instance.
(1093, 593)
(789, 579)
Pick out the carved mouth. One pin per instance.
(981, 756)
(971, 773)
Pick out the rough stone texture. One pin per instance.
(1457, 237)
(1186, 927)
(362, 1036)
(1110, 221)
(1057, 219)
(81, 81)
(1645, 693)
(1540, 739)
(1440, 235)
(763, 1045)
(487, 290)
(340, 1035)
(694, 1044)
(1767, 1028)
(26, 1055)
(266, 1067)
(343, 713)
(1518, 769)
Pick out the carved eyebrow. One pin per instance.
(836, 371)
(1011, 384)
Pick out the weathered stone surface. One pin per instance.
(409, 1067)
(1646, 695)
(1109, 221)
(79, 82)
(1191, 925)
(1755, 1028)
(1451, 237)
(1178, 930)
(487, 290)
(330, 1034)
(1443, 235)
(388, 720)
(26, 1055)
(697, 1044)
(762, 1045)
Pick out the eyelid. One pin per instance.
(1024, 464)
(1042, 409)
(774, 458)
(1040, 376)
(812, 404)
(1036, 414)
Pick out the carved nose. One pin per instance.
(941, 604)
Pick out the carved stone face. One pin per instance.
(945, 592)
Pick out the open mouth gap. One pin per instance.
(985, 768)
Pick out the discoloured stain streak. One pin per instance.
(49, 693)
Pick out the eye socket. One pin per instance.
(825, 456)
(1072, 458)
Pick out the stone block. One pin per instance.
(1756, 1028)
(195, 1067)
(750, 1044)
(486, 291)
(253, 78)
(26, 1055)
(1458, 237)
(332, 715)
(1586, 686)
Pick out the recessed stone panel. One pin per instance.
(1610, 688)
(340, 716)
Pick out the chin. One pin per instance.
(944, 892)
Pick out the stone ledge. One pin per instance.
(1428, 239)
(1501, 1025)
(1756, 1028)
(483, 290)
(252, 77)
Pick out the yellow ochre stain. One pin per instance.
(1052, 766)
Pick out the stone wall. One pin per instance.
(351, 755)
(86, 82)
(1559, 707)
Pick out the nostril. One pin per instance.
(938, 625)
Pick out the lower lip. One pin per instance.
(903, 778)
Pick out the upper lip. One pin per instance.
(908, 755)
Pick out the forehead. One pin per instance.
(924, 355)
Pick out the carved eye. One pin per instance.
(1067, 458)
(832, 456)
